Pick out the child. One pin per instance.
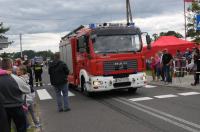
(22, 72)
(157, 66)
(153, 68)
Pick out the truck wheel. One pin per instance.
(82, 84)
(84, 89)
(132, 90)
(89, 94)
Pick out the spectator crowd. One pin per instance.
(164, 66)
(17, 94)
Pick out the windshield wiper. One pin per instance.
(129, 50)
(101, 52)
(112, 51)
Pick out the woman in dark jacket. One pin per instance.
(3, 117)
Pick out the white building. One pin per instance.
(4, 42)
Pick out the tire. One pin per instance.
(84, 89)
(82, 84)
(132, 90)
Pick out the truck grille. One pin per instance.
(111, 66)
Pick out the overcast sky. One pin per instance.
(43, 22)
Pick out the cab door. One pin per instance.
(82, 53)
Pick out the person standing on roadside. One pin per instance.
(22, 73)
(161, 67)
(30, 73)
(3, 117)
(58, 72)
(17, 63)
(158, 66)
(12, 89)
(196, 58)
(153, 68)
(167, 62)
(37, 68)
(188, 55)
(179, 55)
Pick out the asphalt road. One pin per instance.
(156, 109)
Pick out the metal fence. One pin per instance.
(180, 66)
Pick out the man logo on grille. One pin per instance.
(120, 65)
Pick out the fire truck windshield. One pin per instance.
(117, 44)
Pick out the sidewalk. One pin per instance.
(181, 82)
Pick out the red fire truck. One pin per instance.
(103, 57)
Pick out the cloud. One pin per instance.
(47, 20)
(62, 15)
(36, 42)
(50, 41)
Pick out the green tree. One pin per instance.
(171, 33)
(5, 55)
(3, 29)
(45, 54)
(16, 55)
(29, 53)
(191, 25)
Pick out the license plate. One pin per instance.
(117, 80)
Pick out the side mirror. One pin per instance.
(148, 40)
(93, 37)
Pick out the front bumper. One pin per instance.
(101, 83)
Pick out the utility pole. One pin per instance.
(185, 23)
(128, 12)
(20, 38)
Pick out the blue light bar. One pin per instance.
(103, 25)
(92, 26)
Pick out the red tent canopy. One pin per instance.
(168, 42)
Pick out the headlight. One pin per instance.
(97, 83)
(144, 76)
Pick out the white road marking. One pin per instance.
(43, 94)
(189, 93)
(70, 94)
(165, 96)
(140, 99)
(149, 86)
(49, 84)
(162, 115)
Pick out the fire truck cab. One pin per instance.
(103, 57)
